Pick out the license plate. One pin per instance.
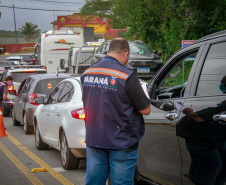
(143, 70)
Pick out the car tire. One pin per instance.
(27, 128)
(5, 111)
(68, 160)
(15, 122)
(40, 145)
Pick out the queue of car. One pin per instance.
(188, 112)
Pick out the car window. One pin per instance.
(20, 76)
(46, 86)
(173, 83)
(104, 47)
(134, 48)
(140, 48)
(21, 86)
(212, 79)
(54, 96)
(27, 85)
(67, 93)
(4, 76)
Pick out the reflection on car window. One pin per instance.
(66, 94)
(139, 48)
(173, 84)
(20, 76)
(27, 85)
(213, 71)
(46, 86)
(55, 94)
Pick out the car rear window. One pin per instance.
(46, 86)
(15, 60)
(19, 76)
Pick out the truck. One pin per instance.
(53, 47)
(79, 59)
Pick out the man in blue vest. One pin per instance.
(4, 88)
(114, 102)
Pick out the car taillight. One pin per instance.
(10, 88)
(32, 61)
(32, 98)
(78, 113)
(45, 67)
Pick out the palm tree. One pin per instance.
(30, 31)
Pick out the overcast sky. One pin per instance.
(42, 18)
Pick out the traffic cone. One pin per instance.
(2, 127)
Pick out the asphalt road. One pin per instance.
(18, 156)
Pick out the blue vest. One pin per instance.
(2, 85)
(111, 120)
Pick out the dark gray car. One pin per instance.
(32, 87)
(142, 60)
(185, 134)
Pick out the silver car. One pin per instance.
(32, 87)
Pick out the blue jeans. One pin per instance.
(120, 164)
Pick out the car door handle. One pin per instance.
(220, 118)
(58, 114)
(171, 116)
(47, 114)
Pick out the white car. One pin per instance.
(59, 122)
(16, 60)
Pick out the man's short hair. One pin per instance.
(9, 78)
(119, 45)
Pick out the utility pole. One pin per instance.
(15, 24)
(0, 12)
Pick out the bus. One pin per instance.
(53, 47)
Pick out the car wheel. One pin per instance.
(15, 122)
(40, 145)
(68, 160)
(5, 111)
(27, 128)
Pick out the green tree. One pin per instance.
(30, 31)
(99, 8)
(163, 24)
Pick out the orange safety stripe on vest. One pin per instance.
(106, 71)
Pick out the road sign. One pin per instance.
(187, 42)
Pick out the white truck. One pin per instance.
(53, 47)
(79, 59)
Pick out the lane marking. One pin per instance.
(55, 174)
(60, 169)
(19, 165)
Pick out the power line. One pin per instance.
(46, 1)
(39, 9)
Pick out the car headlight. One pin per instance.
(159, 61)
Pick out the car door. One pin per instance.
(58, 111)
(159, 158)
(22, 98)
(202, 125)
(45, 115)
